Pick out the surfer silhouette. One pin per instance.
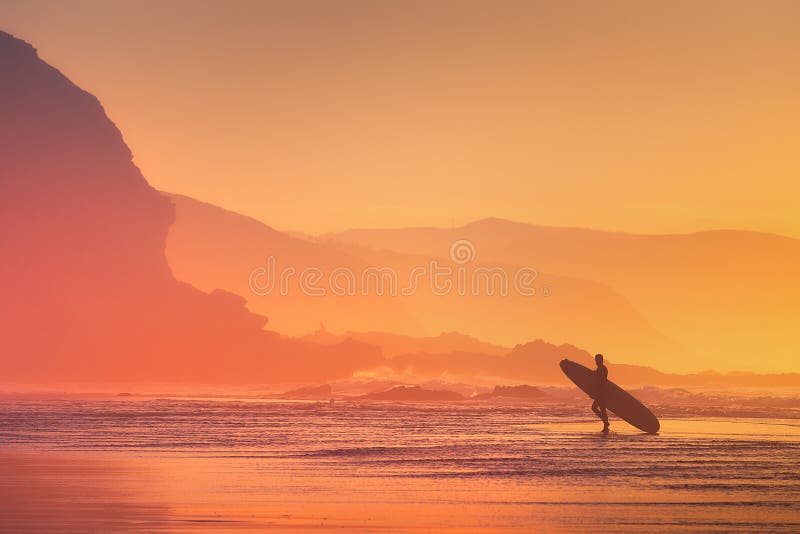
(599, 404)
(609, 396)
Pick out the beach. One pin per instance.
(199, 465)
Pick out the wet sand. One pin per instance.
(234, 467)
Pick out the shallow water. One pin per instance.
(207, 465)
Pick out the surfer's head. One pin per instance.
(598, 359)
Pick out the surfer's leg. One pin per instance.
(604, 416)
(596, 409)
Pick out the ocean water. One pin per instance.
(198, 465)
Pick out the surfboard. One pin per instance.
(618, 401)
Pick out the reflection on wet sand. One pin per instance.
(52, 492)
(232, 467)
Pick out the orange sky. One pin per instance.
(319, 116)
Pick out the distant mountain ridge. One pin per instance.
(728, 298)
(397, 344)
(675, 294)
(212, 247)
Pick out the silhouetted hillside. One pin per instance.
(212, 247)
(87, 293)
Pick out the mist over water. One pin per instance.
(198, 465)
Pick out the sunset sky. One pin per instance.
(319, 116)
